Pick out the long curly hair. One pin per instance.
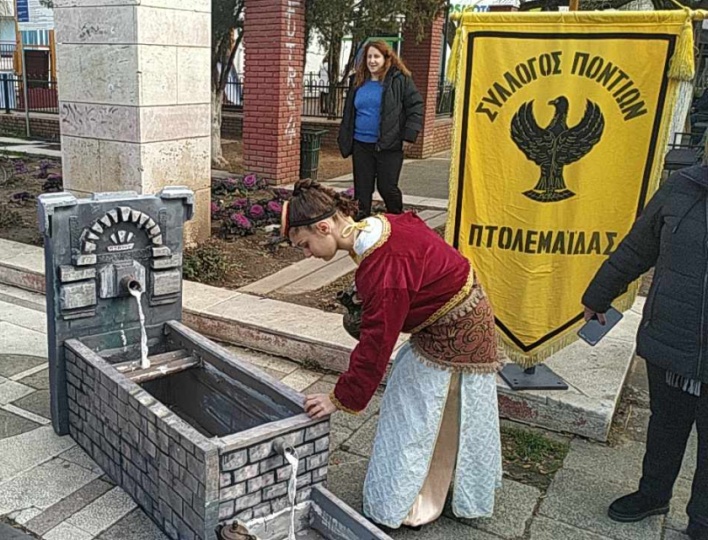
(391, 59)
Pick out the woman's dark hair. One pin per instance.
(311, 200)
(390, 59)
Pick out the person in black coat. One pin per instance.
(383, 109)
(671, 235)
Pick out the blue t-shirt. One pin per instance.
(367, 103)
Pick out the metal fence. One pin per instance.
(7, 56)
(320, 99)
(42, 95)
(446, 100)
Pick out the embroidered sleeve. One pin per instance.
(383, 316)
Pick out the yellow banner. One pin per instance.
(561, 122)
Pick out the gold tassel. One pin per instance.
(682, 66)
(452, 70)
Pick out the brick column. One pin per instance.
(272, 102)
(423, 59)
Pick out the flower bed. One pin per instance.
(242, 205)
(245, 244)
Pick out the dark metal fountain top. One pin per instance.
(94, 249)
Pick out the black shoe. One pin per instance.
(696, 531)
(636, 507)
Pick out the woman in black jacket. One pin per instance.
(671, 235)
(382, 110)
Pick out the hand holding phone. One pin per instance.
(599, 326)
(590, 314)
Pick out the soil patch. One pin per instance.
(22, 180)
(239, 262)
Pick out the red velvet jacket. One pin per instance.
(401, 281)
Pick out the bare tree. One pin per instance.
(227, 33)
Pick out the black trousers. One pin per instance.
(673, 414)
(377, 169)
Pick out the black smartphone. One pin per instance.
(592, 331)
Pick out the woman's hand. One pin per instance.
(319, 405)
(589, 314)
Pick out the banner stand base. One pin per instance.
(539, 377)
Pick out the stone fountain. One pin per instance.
(201, 440)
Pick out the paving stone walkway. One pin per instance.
(420, 178)
(50, 487)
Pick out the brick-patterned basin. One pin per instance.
(194, 446)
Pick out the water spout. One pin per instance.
(290, 455)
(136, 291)
(131, 284)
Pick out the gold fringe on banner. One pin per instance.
(452, 63)
(683, 66)
(540, 355)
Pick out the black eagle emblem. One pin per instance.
(555, 146)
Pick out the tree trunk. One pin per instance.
(333, 97)
(217, 157)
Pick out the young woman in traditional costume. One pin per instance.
(439, 414)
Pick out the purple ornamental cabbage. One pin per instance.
(230, 184)
(241, 221)
(274, 207)
(20, 166)
(239, 203)
(257, 211)
(283, 194)
(250, 181)
(43, 169)
(349, 193)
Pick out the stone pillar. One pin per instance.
(134, 93)
(272, 98)
(423, 59)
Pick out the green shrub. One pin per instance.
(9, 217)
(205, 263)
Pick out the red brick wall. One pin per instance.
(41, 126)
(442, 135)
(274, 45)
(423, 59)
(232, 127)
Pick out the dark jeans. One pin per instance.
(380, 169)
(673, 413)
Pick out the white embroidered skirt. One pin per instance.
(402, 484)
